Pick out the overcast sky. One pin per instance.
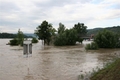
(28, 14)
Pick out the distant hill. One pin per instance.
(115, 29)
(10, 35)
(30, 34)
(7, 35)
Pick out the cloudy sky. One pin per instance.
(28, 14)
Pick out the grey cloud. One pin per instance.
(60, 3)
(69, 12)
(8, 7)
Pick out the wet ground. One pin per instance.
(50, 62)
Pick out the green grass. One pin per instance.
(109, 72)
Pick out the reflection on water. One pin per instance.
(50, 62)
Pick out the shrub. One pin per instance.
(68, 37)
(92, 46)
(14, 42)
(80, 40)
(106, 39)
(60, 40)
(18, 40)
(34, 40)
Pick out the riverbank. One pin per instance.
(110, 72)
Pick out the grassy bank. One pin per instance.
(110, 72)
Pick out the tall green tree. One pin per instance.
(61, 28)
(20, 37)
(43, 31)
(81, 29)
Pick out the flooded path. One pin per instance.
(50, 62)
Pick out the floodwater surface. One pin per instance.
(50, 62)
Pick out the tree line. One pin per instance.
(62, 36)
(10, 35)
(7, 35)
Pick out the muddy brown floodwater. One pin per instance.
(50, 62)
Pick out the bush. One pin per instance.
(14, 42)
(68, 37)
(60, 40)
(34, 40)
(92, 46)
(18, 40)
(106, 39)
(80, 40)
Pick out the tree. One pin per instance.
(106, 39)
(71, 36)
(67, 37)
(81, 29)
(61, 28)
(18, 40)
(44, 32)
(20, 37)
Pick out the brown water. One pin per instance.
(50, 62)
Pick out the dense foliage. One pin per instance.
(64, 36)
(67, 37)
(70, 36)
(20, 37)
(14, 42)
(61, 28)
(44, 31)
(106, 39)
(18, 40)
(34, 40)
(81, 29)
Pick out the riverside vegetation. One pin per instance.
(18, 40)
(109, 72)
(62, 36)
(104, 39)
